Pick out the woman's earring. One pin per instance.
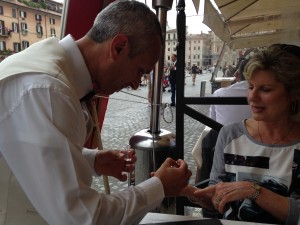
(294, 107)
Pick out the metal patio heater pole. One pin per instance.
(154, 145)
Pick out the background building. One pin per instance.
(202, 50)
(197, 50)
(24, 22)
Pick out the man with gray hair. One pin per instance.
(43, 124)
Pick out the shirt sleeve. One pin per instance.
(212, 112)
(41, 140)
(217, 173)
(294, 212)
(90, 155)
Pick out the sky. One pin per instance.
(193, 21)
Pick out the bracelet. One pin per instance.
(256, 193)
(198, 202)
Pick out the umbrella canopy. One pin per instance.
(254, 23)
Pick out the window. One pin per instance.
(14, 13)
(52, 21)
(2, 45)
(38, 17)
(25, 44)
(15, 27)
(39, 30)
(23, 14)
(17, 47)
(53, 34)
(1, 10)
(2, 27)
(24, 28)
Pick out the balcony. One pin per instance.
(6, 52)
(24, 32)
(5, 32)
(39, 34)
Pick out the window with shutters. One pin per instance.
(17, 47)
(14, 13)
(39, 30)
(52, 21)
(15, 27)
(24, 28)
(25, 44)
(23, 14)
(2, 46)
(38, 17)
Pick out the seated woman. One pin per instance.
(256, 170)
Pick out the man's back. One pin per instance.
(226, 114)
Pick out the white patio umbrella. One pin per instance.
(253, 23)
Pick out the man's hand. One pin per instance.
(174, 176)
(113, 163)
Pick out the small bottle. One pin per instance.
(130, 175)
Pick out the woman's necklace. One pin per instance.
(275, 142)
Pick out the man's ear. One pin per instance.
(119, 45)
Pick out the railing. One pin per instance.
(4, 32)
(183, 103)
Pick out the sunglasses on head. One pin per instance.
(292, 49)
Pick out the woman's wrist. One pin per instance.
(256, 191)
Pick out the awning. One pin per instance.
(254, 23)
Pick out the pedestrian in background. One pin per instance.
(194, 73)
(172, 79)
(43, 123)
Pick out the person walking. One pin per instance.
(43, 124)
(194, 73)
(172, 79)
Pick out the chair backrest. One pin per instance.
(208, 149)
(202, 179)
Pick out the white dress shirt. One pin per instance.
(42, 132)
(226, 114)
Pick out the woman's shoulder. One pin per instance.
(234, 126)
(233, 129)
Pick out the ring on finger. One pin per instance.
(218, 200)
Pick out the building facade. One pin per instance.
(203, 50)
(24, 22)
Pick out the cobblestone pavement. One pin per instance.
(128, 112)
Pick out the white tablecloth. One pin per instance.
(160, 217)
